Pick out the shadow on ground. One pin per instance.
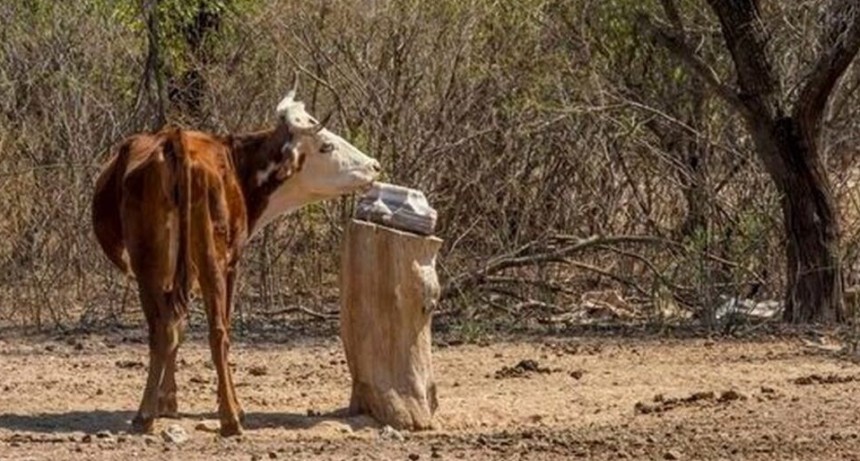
(73, 421)
(116, 421)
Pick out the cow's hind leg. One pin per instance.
(154, 309)
(167, 405)
(213, 283)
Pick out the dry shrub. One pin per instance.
(530, 125)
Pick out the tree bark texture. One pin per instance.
(788, 145)
(389, 290)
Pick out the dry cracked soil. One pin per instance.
(527, 398)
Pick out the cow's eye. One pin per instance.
(327, 148)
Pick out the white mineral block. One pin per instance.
(398, 207)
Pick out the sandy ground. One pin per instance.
(597, 398)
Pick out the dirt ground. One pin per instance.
(555, 398)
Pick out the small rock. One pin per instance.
(767, 390)
(273, 455)
(256, 458)
(258, 370)
(174, 434)
(15, 444)
(87, 438)
(390, 433)
(79, 346)
(129, 364)
(643, 408)
(104, 434)
(672, 455)
(414, 456)
(150, 439)
(206, 426)
(577, 374)
(731, 395)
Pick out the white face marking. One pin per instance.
(340, 170)
(263, 176)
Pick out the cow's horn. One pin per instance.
(295, 86)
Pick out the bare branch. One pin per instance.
(677, 46)
(554, 255)
(747, 40)
(671, 10)
(303, 310)
(842, 41)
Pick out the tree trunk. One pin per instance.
(814, 269)
(154, 72)
(787, 145)
(389, 289)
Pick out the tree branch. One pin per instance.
(303, 310)
(546, 255)
(677, 46)
(842, 42)
(747, 40)
(674, 15)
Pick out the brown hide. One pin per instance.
(176, 207)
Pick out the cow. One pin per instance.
(174, 209)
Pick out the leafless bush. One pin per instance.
(532, 126)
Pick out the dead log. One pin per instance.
(389, 290)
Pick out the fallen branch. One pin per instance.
(304, 310)
(521, 257)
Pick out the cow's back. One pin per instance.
(135, 208)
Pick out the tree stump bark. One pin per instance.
(389, 290)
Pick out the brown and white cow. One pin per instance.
(177, 207)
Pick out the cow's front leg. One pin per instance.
(232, 275)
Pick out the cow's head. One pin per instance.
(329, 165)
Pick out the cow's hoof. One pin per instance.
(168, 409)
(143, 424)
(230, 429)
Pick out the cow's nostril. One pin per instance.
(376, 167)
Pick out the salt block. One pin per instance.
(397, 207)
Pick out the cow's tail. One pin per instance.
(177, 155)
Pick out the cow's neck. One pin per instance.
(255, 157)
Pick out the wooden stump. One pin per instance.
(389, 290)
